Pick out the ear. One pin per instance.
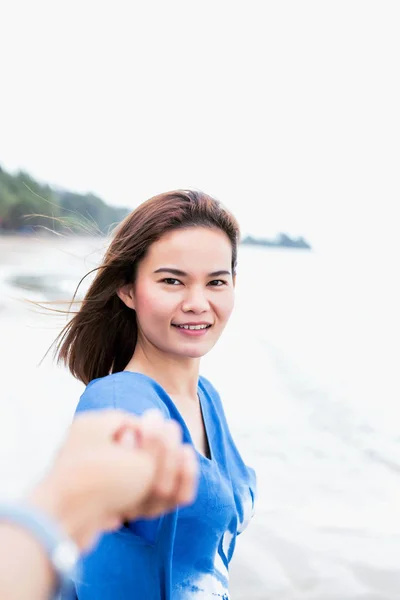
(234, 280)
(125, 293)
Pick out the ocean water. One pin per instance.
(308, 372)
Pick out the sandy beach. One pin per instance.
(326, 451)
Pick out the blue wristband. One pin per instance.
(63, 554)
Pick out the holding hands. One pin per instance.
(115, 467)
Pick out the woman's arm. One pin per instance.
(107, 471)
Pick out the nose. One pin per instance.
(195, 301)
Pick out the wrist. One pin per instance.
(25, 554)
(63, 504)
(36, 536)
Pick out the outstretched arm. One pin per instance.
(90, 489)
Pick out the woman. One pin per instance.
(158, 303)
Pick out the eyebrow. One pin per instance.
(180, 273)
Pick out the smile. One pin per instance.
(192, 327)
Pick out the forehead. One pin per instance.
(194, 248)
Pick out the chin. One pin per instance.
(195, 352)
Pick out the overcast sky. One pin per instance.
(286, 111)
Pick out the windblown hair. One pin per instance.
(101, 337)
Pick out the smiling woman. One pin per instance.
(181, 317)
(159, 302)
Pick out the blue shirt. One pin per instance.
(183, 555)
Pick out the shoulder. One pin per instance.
(128, 391)
(207, 387)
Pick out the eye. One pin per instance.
(171, 281)
(217, 282)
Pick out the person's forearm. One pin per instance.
(25, 571)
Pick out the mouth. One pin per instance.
(192, 327)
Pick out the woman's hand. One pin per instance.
(115, 467)
(175, 479)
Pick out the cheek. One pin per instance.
(225, 306)
(152, 306)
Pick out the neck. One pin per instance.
(178, 375)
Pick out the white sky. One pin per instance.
(286, 111)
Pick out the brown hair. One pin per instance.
(101, 337)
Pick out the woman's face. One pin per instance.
(183, 294)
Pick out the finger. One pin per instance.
(169, 463)
(153, 413)
(131, 433)
(104, 424)
(131, 476)
(126, 438)
(186, 486)
(156, 508)
(188, 479)
(151, 434)
(162, 440)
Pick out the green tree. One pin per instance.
(27, 204)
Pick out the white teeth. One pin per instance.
(193, 326)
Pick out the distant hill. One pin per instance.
(281, 241)
(27, 205)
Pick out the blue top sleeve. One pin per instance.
(134, 395)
